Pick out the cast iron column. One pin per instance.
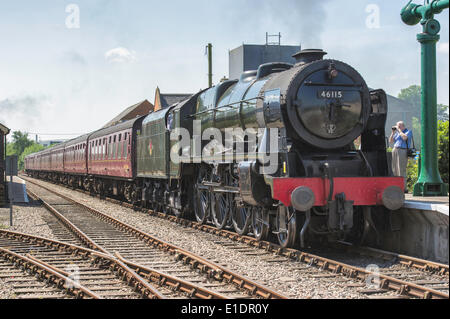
(429, 182)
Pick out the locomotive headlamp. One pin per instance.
(393, 197)
(332, 72)
(302, 198)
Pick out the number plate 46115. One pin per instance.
(330, 94)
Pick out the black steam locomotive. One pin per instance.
(272, 153)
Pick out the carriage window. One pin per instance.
(119, 146)
(110, 149)
(104, 148)
(125, 150)
(114, 148)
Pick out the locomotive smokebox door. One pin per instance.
(340, 216)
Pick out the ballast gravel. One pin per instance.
(293, 279)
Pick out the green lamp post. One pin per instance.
(429, 182)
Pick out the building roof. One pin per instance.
(170, 99)
(400, 105)
(139, 109)
(4, 129)
(116, 128)
(165, 100)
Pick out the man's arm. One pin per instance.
(391, 138)
(403, 135)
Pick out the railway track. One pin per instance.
(77, 271)
(31, 281)
(404, 260)
(411, 277)
(155, 260)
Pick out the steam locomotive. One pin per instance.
(290, 169)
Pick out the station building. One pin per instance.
(3, 132)
(167, 99)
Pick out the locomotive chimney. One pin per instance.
(309, 55)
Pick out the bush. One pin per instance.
(443, 150)
(413, 165)
(412, 174)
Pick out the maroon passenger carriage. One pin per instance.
(75, 166)
(111, 161)
(102, 161)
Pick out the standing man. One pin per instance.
(401, 137)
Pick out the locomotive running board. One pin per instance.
(218, 188)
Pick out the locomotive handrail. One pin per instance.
(309, 83)
(224, 106)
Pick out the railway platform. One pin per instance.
(438, 204)
(18, 190)
(420, 228)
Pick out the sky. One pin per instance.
(68, 67)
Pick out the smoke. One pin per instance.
(303, 19)
(74, 57)
(25, 110)
(299, 21)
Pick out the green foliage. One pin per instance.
(443, 150)
(412, 95)
(10, 149)
(442, 112)
(22, 146)
(21, 142)
(443, 158)
(412, 174)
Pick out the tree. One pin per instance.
(22, 146)
(442, 112)
(412, 95)
(10, 149)
(21, 142)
